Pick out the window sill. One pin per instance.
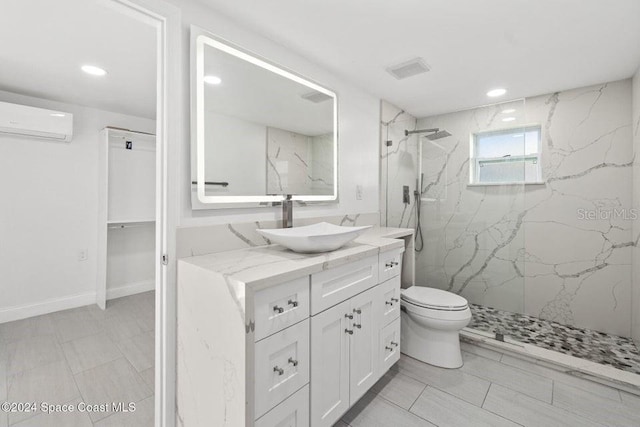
(493, 184)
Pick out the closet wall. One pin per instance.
(50, 215)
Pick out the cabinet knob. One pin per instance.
(348, 316)
(357, 325)
(293, 362)
(293, 303)
(357, 311)
(280, 371)
(278, 309)
(349, 331)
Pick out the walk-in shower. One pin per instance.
(496, 210)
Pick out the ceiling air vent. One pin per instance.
(408, 69)
(316, 97)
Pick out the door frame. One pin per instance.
(166, 18)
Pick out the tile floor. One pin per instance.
(606, 349)
(492, 390)
(81, 355)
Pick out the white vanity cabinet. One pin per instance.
(312, 344)
(346, 347)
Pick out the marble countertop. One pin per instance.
(264, 266)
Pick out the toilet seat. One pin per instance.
(433, 299)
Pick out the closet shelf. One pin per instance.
(129, 221)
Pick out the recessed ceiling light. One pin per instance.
(509, 111)
(212, 80)
(93, 70)
(57, 115)
(508, 119)
(496, 92)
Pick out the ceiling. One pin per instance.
(41, 54)
(528, 47)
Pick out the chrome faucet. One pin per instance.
(287, 212)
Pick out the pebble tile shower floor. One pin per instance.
(606, 349)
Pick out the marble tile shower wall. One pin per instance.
(533, 248)
(398, 166)
(299, 164)
(635, 284)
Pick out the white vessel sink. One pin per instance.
(321, 237)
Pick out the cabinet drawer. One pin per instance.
(389, 345)
(333, 286)
(281, 366)
(389, 301)
(390, 264)
(293, 412)
(281, 306)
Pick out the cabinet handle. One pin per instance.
(395, 344)
(293, 303)
(391, 264)
(357, 311)
(293, 362)
(357, 325)
(386, 347)
(349, 316)
(278, 309)
(280, 371)
(350, 332)
(388, 303)
(395, 299)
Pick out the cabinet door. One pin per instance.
(364, 343)
(330, 364)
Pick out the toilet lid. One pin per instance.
(433, 298)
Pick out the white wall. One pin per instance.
(358, 125)
(635, 282)
(49, 208)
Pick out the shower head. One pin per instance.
(438, 135)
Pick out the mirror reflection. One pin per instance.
(262, 132)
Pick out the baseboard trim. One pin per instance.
(19, 312)
(131, 289)
(52, 305)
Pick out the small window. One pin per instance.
(508, 156)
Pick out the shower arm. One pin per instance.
(411, 132)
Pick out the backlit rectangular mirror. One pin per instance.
(259, 132)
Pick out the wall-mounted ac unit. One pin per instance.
(34, 122)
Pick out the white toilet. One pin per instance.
(430, 325)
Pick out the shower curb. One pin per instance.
(571, 365)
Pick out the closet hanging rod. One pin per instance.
(222, 184)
